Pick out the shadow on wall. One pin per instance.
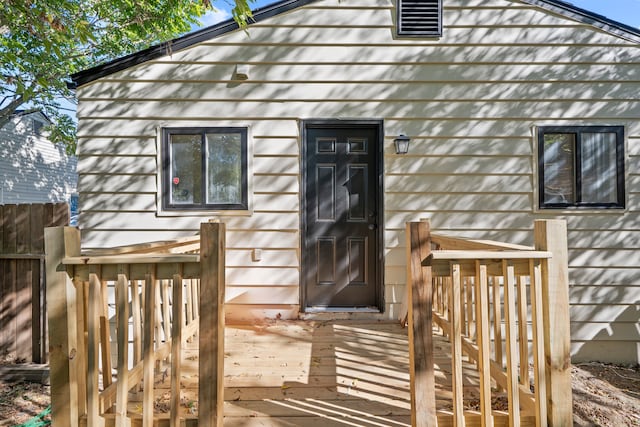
(33, 170)
(616, 342)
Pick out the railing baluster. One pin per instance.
(105, 341)
(159, 329)
(195, 288)
(93, 329)
(189, 295)
(484, 342)
(512, 360)
(148, 354)
(456, 345)
(81, 355)
(497, 323)
(122, 308)
(137, 323)
(463, 308)
(166, 311)
(523, 335)
(539, 375)
(176, 346)
(471, 328)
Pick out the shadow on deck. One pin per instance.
(295, 373)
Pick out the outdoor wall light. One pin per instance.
(402, 144)
(241, 72)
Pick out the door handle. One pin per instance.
(373, 226)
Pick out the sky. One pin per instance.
(625, 11)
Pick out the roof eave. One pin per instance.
(166, 48)
(562, 8)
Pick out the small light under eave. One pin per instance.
(401, 144)
(241, 72)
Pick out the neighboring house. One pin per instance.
(516, 111)
(34, 170)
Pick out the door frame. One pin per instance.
(378, 125)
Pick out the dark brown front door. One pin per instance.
(341, 232)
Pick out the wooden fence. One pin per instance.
(22, 297)
(506, 307)
(164, 296)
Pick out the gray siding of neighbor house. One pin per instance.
(470, 102)
(32, 169)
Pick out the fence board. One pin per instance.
(38, 313)
(7, 305)
(22, 300)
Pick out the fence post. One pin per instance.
(420, 306)
(551, 235)
(212, 288)
(61, 242)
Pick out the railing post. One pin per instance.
(212, 288)
(61, 242)
(551, 235)
(420, 306)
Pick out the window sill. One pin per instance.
(580, 211)
(207, 213)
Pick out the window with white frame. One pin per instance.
(581, 167)
(204, 169)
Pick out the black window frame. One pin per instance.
(577, 131)
(166, 167)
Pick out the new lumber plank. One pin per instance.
(419, 304)
(212, 322)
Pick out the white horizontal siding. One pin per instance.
(32, 169)
(493, 88)
(265, 78)
(468, 101)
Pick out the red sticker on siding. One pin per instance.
(176, 180)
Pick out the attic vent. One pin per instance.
(420, 18)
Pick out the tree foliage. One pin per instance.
(42, 42)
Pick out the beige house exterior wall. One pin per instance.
(470, 101)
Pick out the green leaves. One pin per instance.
(43, 42)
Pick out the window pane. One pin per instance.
(186, 169)
(599, 170)
(224, 168)
(559, 152)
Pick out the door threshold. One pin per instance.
(342, 310)
(343, 313)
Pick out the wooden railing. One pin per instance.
(505, 307)
(163, 295)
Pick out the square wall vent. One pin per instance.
(419, 18)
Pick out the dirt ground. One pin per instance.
(603, 395)
(606, 395)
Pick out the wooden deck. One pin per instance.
(295, 373)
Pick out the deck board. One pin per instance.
(295, 373)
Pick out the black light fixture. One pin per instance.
(402, 144)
